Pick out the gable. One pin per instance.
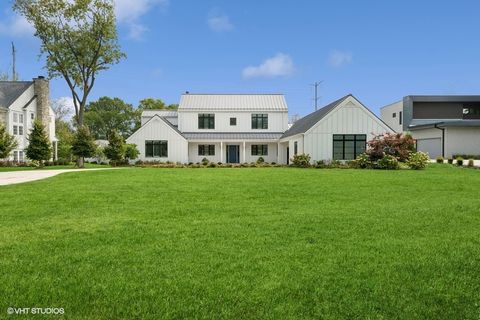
(10, 91)
(153, 124)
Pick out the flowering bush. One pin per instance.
(301, 160)
(394, 144)
(388, 162)
(362, 161)
(418, 160)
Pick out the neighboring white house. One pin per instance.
(237, 128)
(442, 125)
(21, 102)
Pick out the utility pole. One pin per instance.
(14, 63)
(316, 97)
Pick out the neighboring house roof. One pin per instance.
(449, 98)
(302, 125)
(235, 102)
(232, 135)
(443, 123)
(11, 91)
(161, 113)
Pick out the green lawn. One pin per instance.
(272, 243)
(87, 166)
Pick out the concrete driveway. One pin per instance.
(14, 177)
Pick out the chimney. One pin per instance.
(42, 92)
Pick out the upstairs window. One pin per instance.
(206, 149)
(394, 115)
(156, 149)
(259, 150)
(15, 117)
(20, 130)
(233, 121)
(20, 118)
(259, 121)
(206, 121)
(295, 148)
(400, 117)
(32, 116)
(15, 130)
(348, 146)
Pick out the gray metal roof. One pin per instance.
(160, 113)
(444, 98)
(443, 123)
(302, 125)
(232, 135)
(237, 102)
(11, 90)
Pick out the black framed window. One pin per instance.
(156, 149)
(295, 148)
(206, 121)
(259, 121)
(394, 115)
(206, 149)
(348, 146)
(400, 117)
(259, 150)
(233, 121)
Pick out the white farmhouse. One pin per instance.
(21, 102)
(238, 128)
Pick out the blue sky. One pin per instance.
(378, 50)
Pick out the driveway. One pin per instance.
(14, 177)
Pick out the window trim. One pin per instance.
(355, 140)
(208, 150)
(208, 119)
(162, 152)
(260, 150)
(259, 121)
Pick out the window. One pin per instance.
(206, 121)
(394, 115)
(15, 156)
(259, 150)
(400, 117)
(259, 121)
(15, 130)
(20, 130)
(206, 149)
(20, 118)
(233, 121)
(156, 149)
(295, 147)
(15, 117)
(32, 116)
(20, 156)
(348, 146)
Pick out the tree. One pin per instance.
(7, 142)
(65, 136)
(115, 151)
(83, 145)
(39, 146)
(110, 114)
(131, 151)
(79, 39)
(150, 104)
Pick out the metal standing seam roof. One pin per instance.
(160, 113)
(236, 102)
(304, 124)
(232, 135)
(11, 90)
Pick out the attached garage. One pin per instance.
(432, 146)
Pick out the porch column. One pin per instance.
(278, 152)
(244, 158)
(221, 151)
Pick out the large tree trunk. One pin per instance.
(80, 162)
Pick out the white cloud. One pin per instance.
(16, 26)
(281, 65)
(339, 59)
(63, 107)
(220, 23)
(130, 12)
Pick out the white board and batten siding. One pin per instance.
(350, 117)
(157, 129)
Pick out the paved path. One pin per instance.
(14, 177)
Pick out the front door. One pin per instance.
(233, 154)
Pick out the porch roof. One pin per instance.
(232, 135)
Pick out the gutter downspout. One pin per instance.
(443, 138)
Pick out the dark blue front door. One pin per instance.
(233, 154)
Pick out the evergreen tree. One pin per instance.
(7, 142)
(115, 151)
(131, 151)
(83, 145)
(39, 146)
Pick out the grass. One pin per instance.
(273, 243)
(72, 166)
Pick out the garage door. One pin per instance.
(432, 146)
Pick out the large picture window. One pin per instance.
(206, 149)
(206, 121)
(348, 146)
(259, 121)
(156, 149)
(259, 150)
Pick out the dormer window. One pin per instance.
(233, 121)
(206, 121)
(259, 121)
(394, 115)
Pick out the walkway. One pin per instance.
(14, 177)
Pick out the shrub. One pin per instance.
(212, 165)
(260, 160)
(459, 161)
(301, 160)
(418, 160)
(320, 164)
(388, 162)
(131, 151)
(440, 159)
(395, 144)
(362, 161)
(471, 163)
(467, 156)
(205, 161)
(450, 160)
